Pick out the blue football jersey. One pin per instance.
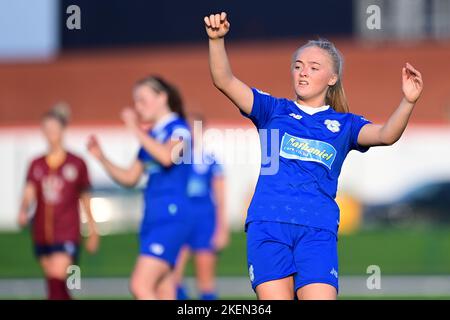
(302, 156)
(200, 182)
(165, 191)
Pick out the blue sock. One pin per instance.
(208, 296)
(181, 293)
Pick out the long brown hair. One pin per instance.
(335, 96)
(158, 84)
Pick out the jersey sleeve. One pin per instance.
(84, 180)
(141, 154)
(357, 123)
(262, 109)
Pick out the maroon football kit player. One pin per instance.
(56, 223)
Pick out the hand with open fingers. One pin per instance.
(412, 83)
(94, 147)
(217, 25)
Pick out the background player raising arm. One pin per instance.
(127, 177)
(164, 153)
(217, 26)
(391, 131)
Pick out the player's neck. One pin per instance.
(313, 102)
(56, 156)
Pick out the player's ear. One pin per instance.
(334, 78)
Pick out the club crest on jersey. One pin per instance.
(295, 116)
(307, 150)
(333, 125)
(70, 172)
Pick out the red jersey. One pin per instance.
(58, 190)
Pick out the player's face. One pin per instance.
(53, 131)
(312, 73)
(147, 102)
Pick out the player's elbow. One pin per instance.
(166, 161)
(388, 140)
(222, 81)
(220, 85)
(130, 181)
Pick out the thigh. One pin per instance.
(316, 260)
(280, 289)
(58, 264)
(182, 259)
(317, 291)
(44, 262)
(166, 289)
(149, 270)
(269, 253)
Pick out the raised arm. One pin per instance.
(217, 26)
(392, 130)
(127, 177)
(165, 153)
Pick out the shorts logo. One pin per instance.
(334, 273)
(307, 150)
(69, 247)
(157, 248)
(172, 208)
(251, 273)
(333, 125)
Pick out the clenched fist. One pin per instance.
(217, 25)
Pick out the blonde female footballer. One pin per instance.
(293, 218)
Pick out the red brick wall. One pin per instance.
(98, 84)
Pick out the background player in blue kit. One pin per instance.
(206, 190)
(293, 218)
(166, 224)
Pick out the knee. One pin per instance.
(206, 284)
(139, 289)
